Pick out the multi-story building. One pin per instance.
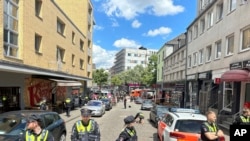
(46, 50)
(128, 58)
(218, 45)
(174, 70)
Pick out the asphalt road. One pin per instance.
(111, 123)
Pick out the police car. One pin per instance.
(180, 124)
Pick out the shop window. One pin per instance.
(228, 95)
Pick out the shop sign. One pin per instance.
(179, 87)
(246, 64)
(203, 76)
(217, 80)
(237, 65)
(191, 77)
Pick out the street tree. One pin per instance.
(100, 77)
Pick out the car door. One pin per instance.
(169, 121)
(152, 114)
(52, 125)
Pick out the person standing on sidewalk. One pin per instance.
(209, 129)
(86, 128)
(67, 104)
(125, 102)
(129, 132)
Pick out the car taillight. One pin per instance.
(176, 135)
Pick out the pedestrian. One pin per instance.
(85, 129)
(68, 104)
(128, 133)
(34, 131)
(125, 102)
(140, 116)
(209, 129)
(244, 118)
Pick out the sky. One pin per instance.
(134, 23)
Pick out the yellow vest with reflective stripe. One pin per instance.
(82, 129)
(67, 100)
(130, 132)
(42, 137)
(211, 128)
(244, 119)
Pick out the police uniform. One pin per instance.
(68, 106)
(30, 135)
(208, 127)
(82, 131)
(242, 119)
(140, 116)
(129, 132)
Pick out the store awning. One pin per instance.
(235, 75)
(67, 82)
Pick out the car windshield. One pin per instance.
(94, 103)
(191, 126)
(105, 100)
(162, 110)
(12, 125)
(147, 101)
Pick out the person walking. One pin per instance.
(86, 128)
(125, 102)
(128, 133)
(140, 116)
(209, 129)
(244, 118)
(68, 106)
(34, 130)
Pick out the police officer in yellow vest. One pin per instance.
(86, 129)
(244, 118)
(209, 129)
(129, 132)
(35, 132)
(140, 116)
(67, 106)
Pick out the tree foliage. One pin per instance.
(100, 77)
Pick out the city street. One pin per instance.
(112, 123)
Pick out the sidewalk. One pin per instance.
(74, 114)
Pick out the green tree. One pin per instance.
(100, 77)
(116, 81)
(149, 74)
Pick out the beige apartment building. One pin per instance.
(46, 51)
(218, 57)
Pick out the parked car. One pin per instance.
(180, 124)
(96, 106)
(156, 112)
(13, 123)
(138, 100)
(108, 103)
(147, 104)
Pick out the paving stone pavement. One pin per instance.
(111, 123)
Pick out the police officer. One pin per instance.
(86, 129)
(140, 116)
(67, 106)
(34, 130)
(209, 129)
(244, 118)
(129, 132)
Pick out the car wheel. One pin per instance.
(62, 137)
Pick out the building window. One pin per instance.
(245, 39)
(232, 5)
(129, 54)
(195, 58)
(60, 27)
(202, 25)
(218, 49)
(210, 19)
(190, 35)
(230, 45)
(73, 37)
(60, 54)
(38, 8)
(209, 53)
(81, 64)
(11, 28)
(189, 61)
(228, 94)
(38, 43)
(219, 11)
(81, 45)
(201, 56)
(73, 60)
(195, 31)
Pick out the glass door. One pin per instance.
(228, 96)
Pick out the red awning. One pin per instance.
(235, 75)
